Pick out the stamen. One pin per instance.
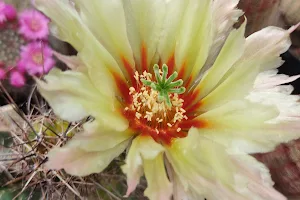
(164, 86)
(157, 104)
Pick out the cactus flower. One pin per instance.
(173, 83)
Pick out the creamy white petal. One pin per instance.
(73, 97)
(268, 90)
(254, 177)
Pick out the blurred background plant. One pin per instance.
(24, 44)
(26, 48)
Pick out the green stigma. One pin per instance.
(163, 85)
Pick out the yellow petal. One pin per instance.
(201, 165)
(158, 185)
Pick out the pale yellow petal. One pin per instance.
(246, 127)
(262, 52)
(73, 97)
(227, 175)
(224, 15)
(106, 20)
(78, 162)
(158, 184)
(191, 50)
(98, 140)
(142, 147)
(171, 29)
(71, 28)
(203, 167)
(233, 87)
(232, 50)
(144, 20)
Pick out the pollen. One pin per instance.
(150, 109)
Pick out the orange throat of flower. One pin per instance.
(156, 108)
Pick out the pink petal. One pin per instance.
(17, 79)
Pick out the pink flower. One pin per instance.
(36, 58)
(2, 74)
(7, 12)
(33, 25)
(17, 79)
(10, 12)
